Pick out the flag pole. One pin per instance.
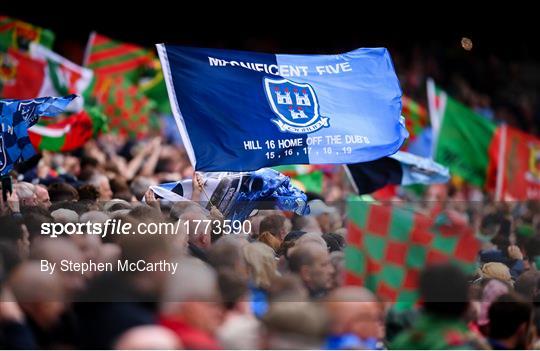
(501, 164)
(434, 113)
(88, 48)
(351, 179)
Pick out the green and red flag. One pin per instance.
(112, 58)
(312, 182)
(390, 245)
(462, 139)
(109, 57)
(498, 158)
(20, 75)
(129, 112)
(41, 72)
(294, 170)
(305, 177)
(18, 35)
(416, 118)
(515, 165)
(69, 133)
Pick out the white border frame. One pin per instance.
(163, 58)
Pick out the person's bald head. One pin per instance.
(42, 195)
(26, 193)
(148, 337)
(64, 215)
(202, 283)
(311, 238)
(311, 262)
(351, 294)
(198, 235)
(294, 325)
(56, 250)
(40, 294)
(193, 213)
(29, 284)
(304, 255)
(192, 294)
(226, 253)
(355, 310)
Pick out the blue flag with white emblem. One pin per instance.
(16, 116)
(242, 111)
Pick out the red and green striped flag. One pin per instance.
(462, 139)
(68, 134)
(390, 245)
(111, 58)
(18, 35)
(416, 118)
(129, 112)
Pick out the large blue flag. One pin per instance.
(16, 116)
(241, 111)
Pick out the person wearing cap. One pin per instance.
(496, 270)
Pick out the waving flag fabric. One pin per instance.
(139, 66)
(241, 111)
(70, 133)
(18, 35)
(16, 116)
(462, 139)
(42, 72)
(390, 245)
(402, 168)
(236, 195)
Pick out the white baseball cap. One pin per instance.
(318, 207)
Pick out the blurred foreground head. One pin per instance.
(56, 250)
(40, 294)
(444, 290)
(510, 322)
(355, 310)
(262, 264)
(191, 296)
(148, 337)
(294, 325)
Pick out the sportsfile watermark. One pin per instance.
(96, 259)
(121, 227)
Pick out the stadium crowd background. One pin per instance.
(280, 286)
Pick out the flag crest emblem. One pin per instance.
(295, 104)
(534, 163)
(27, 110)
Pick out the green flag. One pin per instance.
(18, 35)
(112, 58)
(312, 182)
(462, 138)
